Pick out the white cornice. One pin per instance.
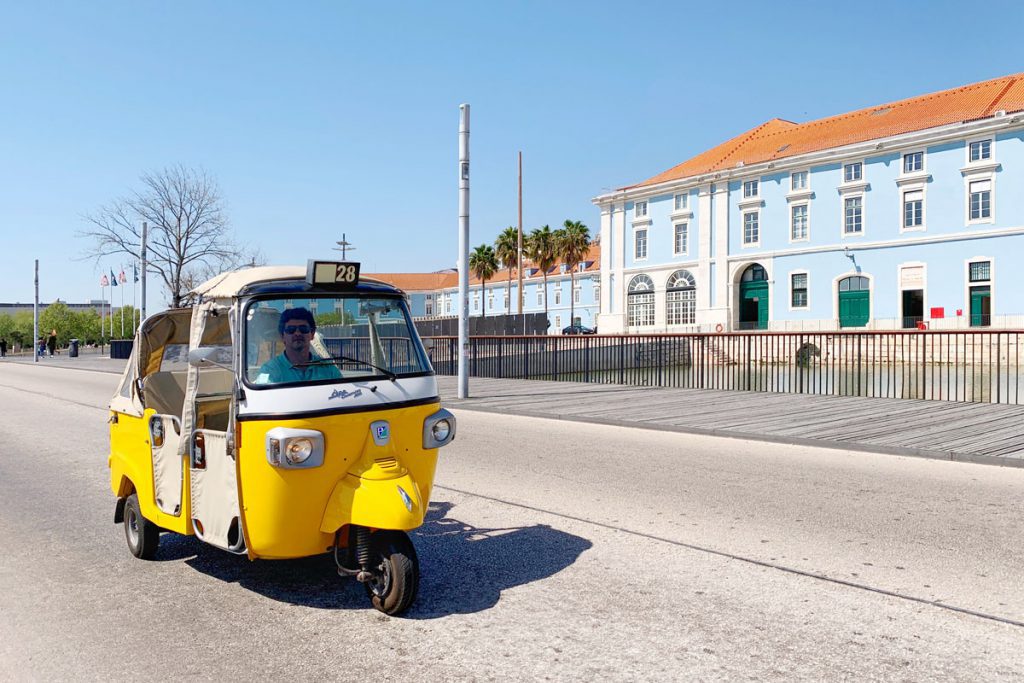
(751, 203)
(799, 195)
(984, 167)
(868, 148)
(914, 179)
(850, 188)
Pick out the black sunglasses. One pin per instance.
(292, 329)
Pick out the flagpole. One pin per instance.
(122, 305)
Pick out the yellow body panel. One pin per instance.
(131, 467)
(295, 512)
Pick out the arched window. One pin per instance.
(640, 301)
(754, 273)
(854, 283)
(681, 299)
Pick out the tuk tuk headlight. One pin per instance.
(298, 450)
(294, 448)
(438, 429)
(441, 430)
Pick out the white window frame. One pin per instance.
(974, 178)
(978, 140)
(576, 294)
(540, 295)
(675, 238)
(807, 237)
(743, 226)
(640, 209)
(855, 181)
(490, 300)
(558, 296)
(806, 173)
(903, 192)
(807, 305)
(903, 163)
(863, 212)
(681, 206)
(597, 293)
(636, 244)
(558, 323)
(428, 305)
(755, 184)
(476, 301)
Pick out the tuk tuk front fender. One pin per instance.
(379, 503)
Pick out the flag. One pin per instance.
(113, 278)
(135, 273)
(103, 281)
(121, 277)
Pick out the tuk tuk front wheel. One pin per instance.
(396, 572)
(142, 535)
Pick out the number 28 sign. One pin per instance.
(332, 274)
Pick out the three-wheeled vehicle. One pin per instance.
(290, 412)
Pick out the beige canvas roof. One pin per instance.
(228, 285)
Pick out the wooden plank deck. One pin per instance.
(970, 432)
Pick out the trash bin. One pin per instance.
(73, 349)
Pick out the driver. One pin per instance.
(297, 328)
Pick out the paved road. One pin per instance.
(553, 550)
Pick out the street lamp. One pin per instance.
(344, 246)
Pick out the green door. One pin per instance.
(981, 306)
(854, 302)
(754, 305)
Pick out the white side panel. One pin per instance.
(304, 399)
(214, 492)
(168, 467)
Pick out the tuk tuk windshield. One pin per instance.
(330, 338)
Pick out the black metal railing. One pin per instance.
(972, 366)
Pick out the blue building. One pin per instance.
(568, 295)
(902, 215)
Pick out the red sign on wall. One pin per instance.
(939, 312)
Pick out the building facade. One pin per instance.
(908, 214)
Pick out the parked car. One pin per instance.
(578, 329)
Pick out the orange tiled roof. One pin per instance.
(417, 282)
(778, 139)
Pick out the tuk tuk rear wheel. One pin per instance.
(396, 572)
(142, 535)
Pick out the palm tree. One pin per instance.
(506, 249)
(573, 245)
(541, 248)
(483, 263)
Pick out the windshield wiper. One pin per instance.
(336, 360)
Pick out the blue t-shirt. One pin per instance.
(279, 370)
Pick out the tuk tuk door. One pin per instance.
(208, 420)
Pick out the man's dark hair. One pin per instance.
(295, 314)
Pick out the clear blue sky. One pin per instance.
(323, 118)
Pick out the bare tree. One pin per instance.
(188, 229)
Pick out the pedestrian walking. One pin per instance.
(3, 348)
(51, 343)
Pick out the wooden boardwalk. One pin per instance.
(970, 432)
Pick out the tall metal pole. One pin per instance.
(145, 231)
(463, 374)
(35, 319)
(519, 265)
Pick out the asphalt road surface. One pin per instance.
(552, 550)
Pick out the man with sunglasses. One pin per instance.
(298, 363)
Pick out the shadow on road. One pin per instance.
(463, 568)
